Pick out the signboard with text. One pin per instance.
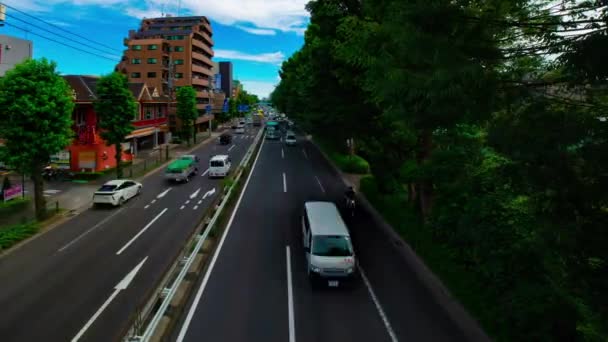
(61, 159)
(12, 192)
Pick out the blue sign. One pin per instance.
(218, 81)
(208, 109)
(243, 108)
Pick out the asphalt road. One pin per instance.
(245, 296)
(55, 287)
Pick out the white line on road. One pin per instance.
(141, 232)
(305, 155)
(188, 201)
(209, 193)
(320, 185)
(387, 324)
(147, 206)
(182, 207)
(195, 207)
(201, 289)
(194, 194)
(90, 230)
(282, 154)
(153, 201)
(292, 321)
(284, 183)
(204, 173)
(122, 285)
(199, 202)
(231, 147)
(162, 194)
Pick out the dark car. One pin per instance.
(225, 139)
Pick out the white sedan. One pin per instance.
(117, 192)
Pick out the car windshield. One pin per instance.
(107, 188)
(217, 163)
(291, 137)
(332, 246)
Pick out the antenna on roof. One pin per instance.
(179, 5)
(162, 10)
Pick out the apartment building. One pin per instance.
(13, 51)
(170, 52)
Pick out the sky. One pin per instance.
(256, 35)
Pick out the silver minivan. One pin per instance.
(330, 258)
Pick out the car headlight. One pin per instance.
(315, 269)
(350, 270)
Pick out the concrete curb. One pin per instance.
(469, 327)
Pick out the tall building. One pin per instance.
(169, 52)
(13, 51)
(226, 72)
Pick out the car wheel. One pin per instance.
(187, 179)
(121, 201)
(138, 191)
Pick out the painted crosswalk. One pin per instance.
(50, 192)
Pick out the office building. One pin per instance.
(13, 51)
(226, 72)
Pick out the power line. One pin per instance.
(60, 28)
(57, 34)
(62, 43)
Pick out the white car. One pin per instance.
(117, 192)
(239, 130)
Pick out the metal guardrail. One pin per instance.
(181, 266)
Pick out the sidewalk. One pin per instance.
(74, 197)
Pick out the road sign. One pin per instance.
(208, 109)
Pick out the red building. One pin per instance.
(89, 152)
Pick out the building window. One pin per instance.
(179, 75)
(178, 62)
(151, 75)
(153, 47)
(148, 114)
(160, 113)
(175, 37)
(135, 75)
(136, 47)
(136, 61)
(178, 48)
(152, 60)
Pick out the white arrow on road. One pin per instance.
(122, 285)
(195, 193)
(162, 194)
(209, 193)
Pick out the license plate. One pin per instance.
(333, 283)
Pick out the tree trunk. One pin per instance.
(411, 193)
(193, 134)
(425, 186)
(39, 200)
(118, 148)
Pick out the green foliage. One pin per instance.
(35, 119)
(186, 110)
(11, 235)
(116, 107)
(14, 205)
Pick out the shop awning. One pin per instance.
(143, 132)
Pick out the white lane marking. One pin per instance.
(204, 173)
(147, 206)
(231, 147)
(292, 321)
(164, 193)
(153, 201)
(305, 155)
(284, 182)
(90, 230)
(195, 207)
(51, 191)
(122, 285)
(201, 289)
(199, 202)
(141, 232)
(320, 185)
(194, 194)
(188, 201)
(282, 154)
(387, 324)
(182, 207)
(209, 193)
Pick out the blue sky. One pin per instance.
(256, 35)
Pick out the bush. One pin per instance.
(14, 205)
(351, 164)
(87, 175)
(11, 235)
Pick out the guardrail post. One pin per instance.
(57, 206)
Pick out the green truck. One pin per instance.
(181, 170)
(272, 130)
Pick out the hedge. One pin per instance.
(11, 235)
(14, 205)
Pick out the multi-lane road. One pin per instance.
(256, 287)
(85, 278)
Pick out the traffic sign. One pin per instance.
(208, 109)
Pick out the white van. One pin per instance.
(330, 257)
(219, 166)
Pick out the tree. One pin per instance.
(186, 110)
(116, 107)
(35, 120)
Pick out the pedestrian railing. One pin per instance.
(146, 324)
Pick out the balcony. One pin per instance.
(204, 59)
(200, 81)
(203, 94)
(202, 46)
(201, 69)
(150, 122)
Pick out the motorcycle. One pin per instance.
(350, 205)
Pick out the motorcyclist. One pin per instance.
(350, 194)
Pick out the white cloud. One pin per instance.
(58, 23)
(271, 57)
(258, 31)
(140, 14)
(259, 88)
